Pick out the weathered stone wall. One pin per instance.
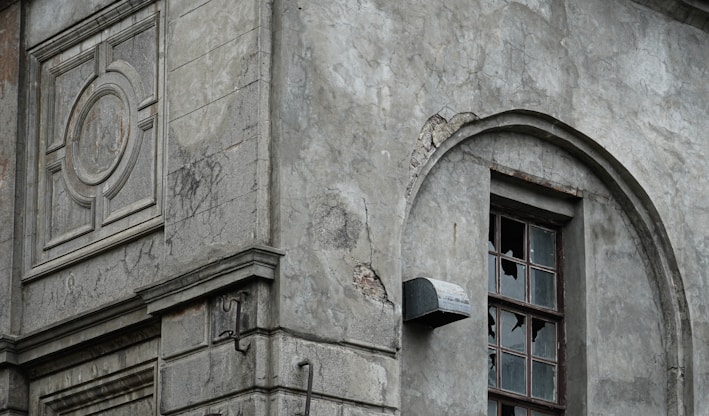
(354, 83)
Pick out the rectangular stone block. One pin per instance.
(219, 371)
(220, 230)
(287, 404)
(13, 390)
(222, 125)
(256, 308)
(214, 75)
(353, 411)
(184, 330)
(190, 38)
(210, 181)
(250, 404)
(339, 371)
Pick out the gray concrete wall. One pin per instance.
(354, 83)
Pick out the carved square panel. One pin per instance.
(94, 177)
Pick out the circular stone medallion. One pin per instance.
(101, 137)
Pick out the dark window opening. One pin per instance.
(525, 318)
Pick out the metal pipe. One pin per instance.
(310, 384)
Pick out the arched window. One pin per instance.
(549, 334)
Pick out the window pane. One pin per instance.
(491, 234)
(491, 272)
(512, 280)
(492, 367)
(543, 381)
(542, 246)
(492, 325)
(512, 372)
(543, 339)
(543, 288)
(510, 410)
(512, 238)
(491, 408)
(537, 413)
(513, 331)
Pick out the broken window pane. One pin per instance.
(512, 238)
(523, 349)
(491, 234)
(512, 373)
(543, 290)
(510, 410)
(491, 272)
(542, 246)
(543, 381)
(512, 279)
(491, 408)
(513, 331)
(492, 325)
(492, 367)
(543, 339)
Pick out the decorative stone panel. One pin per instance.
(95, 139)
(126, 393)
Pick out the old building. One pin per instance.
(211, 207)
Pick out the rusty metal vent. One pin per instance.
(433, 302)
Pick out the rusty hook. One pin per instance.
(236, 333)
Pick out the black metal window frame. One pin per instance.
(506, 399)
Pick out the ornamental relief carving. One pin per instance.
(96, 168)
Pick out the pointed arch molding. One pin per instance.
(438, 136)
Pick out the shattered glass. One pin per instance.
(512, 238)
(512, 279)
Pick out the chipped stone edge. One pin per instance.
(434, 132)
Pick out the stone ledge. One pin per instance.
(70, 333)
(255, 262)
(691, 12)
(8, 350)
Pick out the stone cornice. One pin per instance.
(89, 27)
(254, 262)
(35, 348)
(8, 350)
(79, 329)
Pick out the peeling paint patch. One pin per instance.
(334, 225)
(368, 283)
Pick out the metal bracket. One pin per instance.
(310, 385)
(236, 333)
